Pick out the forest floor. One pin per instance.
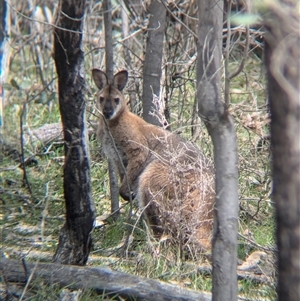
(32, 214)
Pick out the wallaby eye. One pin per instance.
(117, 101)
(101, 99)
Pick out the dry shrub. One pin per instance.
(177, 193)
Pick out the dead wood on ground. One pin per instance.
(101, 279)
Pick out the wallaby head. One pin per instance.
(110, 98)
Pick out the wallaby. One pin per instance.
(170, 177)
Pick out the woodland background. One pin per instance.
(33, 209)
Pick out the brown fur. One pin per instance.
(169, 176)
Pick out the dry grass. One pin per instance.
(177, 188)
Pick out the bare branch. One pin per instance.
(178, 20)
(245, 54)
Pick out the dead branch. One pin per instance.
(47, 134)
(100, 279)
(22, 158)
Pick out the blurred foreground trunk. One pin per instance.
(282, 59)
(75, 237)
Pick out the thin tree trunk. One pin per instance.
(126, 47)
(109, 62)
(4, 55)
(220, 125)
(125, 32)
(109, 50)
(153, 59)
(75, 237)
(282, 58)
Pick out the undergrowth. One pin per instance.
(32, 207)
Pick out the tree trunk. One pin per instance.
(109, 64)
(75, 237)
(127, 46)
(4, 54)
(109, 50)
(282, 59)
(220, 125)
(153, 59)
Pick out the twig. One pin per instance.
(42, 22)
(44, 213)
(226, 63)
(258, 207)
(270, 249)
(28, 279)
(25, 178)
(230, 76)
(116, 211)
(242, 275)
(25, 268)
(245, 54)
(24, 198)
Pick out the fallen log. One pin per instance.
(42, 137)
(45, 134)
(247, 270)
(103, 280)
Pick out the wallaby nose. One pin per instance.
(108, 113)
(108, 110)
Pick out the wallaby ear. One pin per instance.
(100, 78)
(120, 80)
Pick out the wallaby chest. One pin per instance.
(111, 146)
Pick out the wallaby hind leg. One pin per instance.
(152, 190)
(178, 203)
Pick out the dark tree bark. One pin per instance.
(282, 57)
(4, 54)
(214, 113)
(109, 62)
(153, 59)
(75, 237)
